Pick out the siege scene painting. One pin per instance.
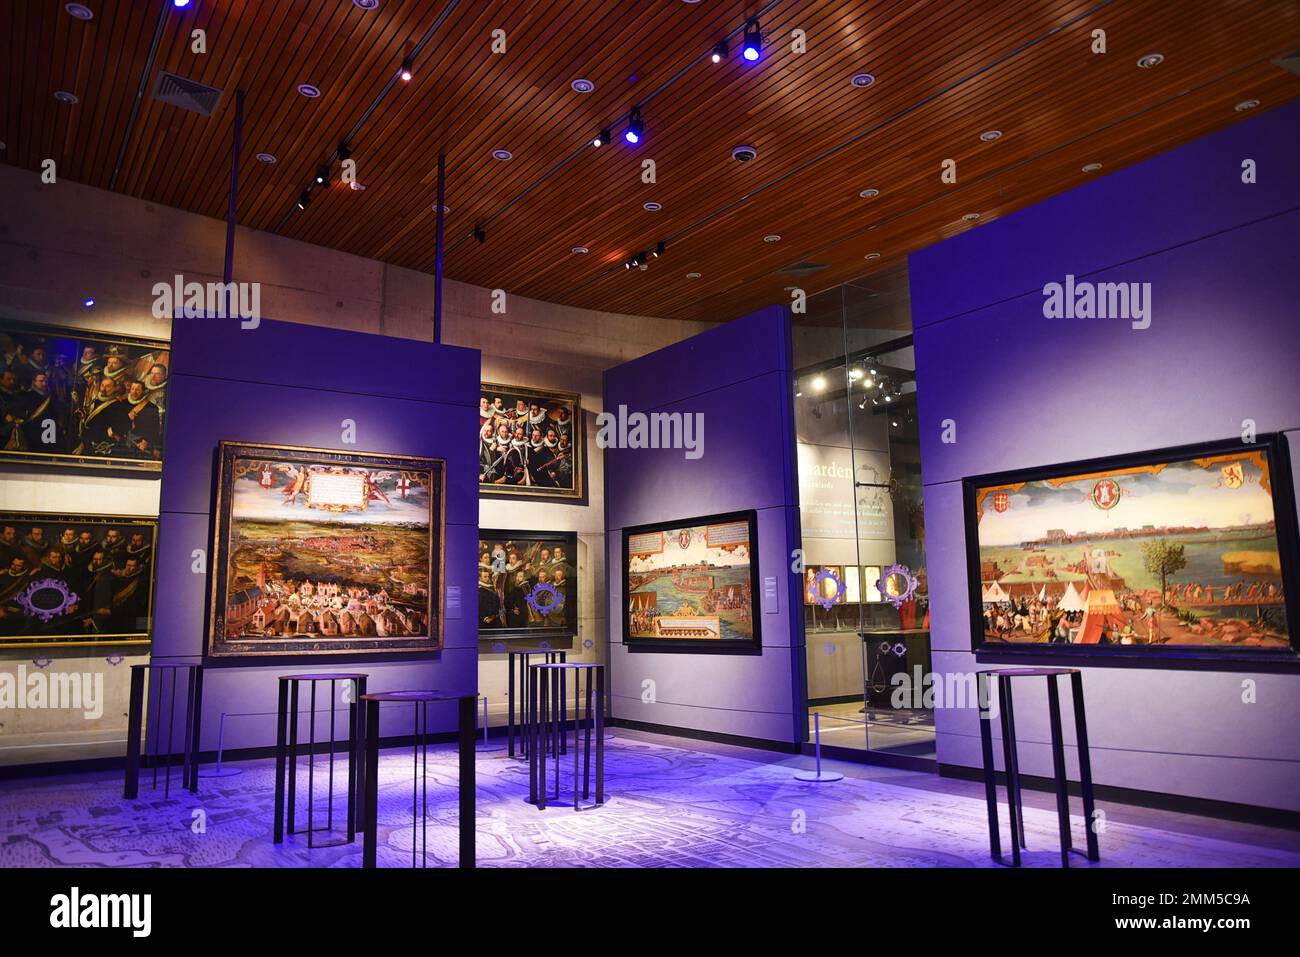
(1169, 555)
(323, 556)
(691, 583)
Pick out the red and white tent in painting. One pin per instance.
(1102, 613)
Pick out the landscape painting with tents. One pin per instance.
(1168, 554)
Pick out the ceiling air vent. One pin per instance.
(186, 94)
(805, 268)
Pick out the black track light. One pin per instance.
(480, 234)
(305, 199)
(635, 128)
(408, 69)
(602, 137)
(659, 248)
(345, 152)
(720, 52)
(322, 175)
(752, 47)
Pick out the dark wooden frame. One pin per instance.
(579, 446)
(1275, 448)
(570, 541)
(719, 646)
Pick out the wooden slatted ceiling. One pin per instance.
(945, 72)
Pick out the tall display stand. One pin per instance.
(161, 678)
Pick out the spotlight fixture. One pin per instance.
(180, 4)
(862, 80)
(345, 152)
(579, 250)
(63, 96)
(1151, 59)
(771, 238)
(693, 275)
(304, 200)
(659, 248)
(635, 128)
(323, 175)
(79, 11)
(720, 52)
(480, 234)
(855, 375)
(988, 136)
(89, 301)
(819, 383)
(971, 217)
(582, 86)
(366, 4)
(869, 193)
(1245, 105)
(602, 137)
(652, 207)
(309, 91)
(267, 158)
(408, 69)
(752, 48)
(502, 155)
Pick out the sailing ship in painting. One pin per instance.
(1181, 553)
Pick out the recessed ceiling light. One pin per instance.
(971, 217)
(869, 193)
(1091, 167)
(692, 275)
(309, 91)
(265, 158)
(771, 238)
(445, 208)
(1245, 105)
(871, 256)
(366, 4)
(502, 155)
(582, 86)
(63, 96)
(579, 250)
(988, 136)
(653, 207)
(1150, 60)
(862, 80)
(79, 11)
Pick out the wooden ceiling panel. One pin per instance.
(945, 71)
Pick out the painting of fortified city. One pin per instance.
(691, 584)
(324, 552)
(527, 584)
(75, 579)
(1185, 553)
(86, 399)
(530, 442)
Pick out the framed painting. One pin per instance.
(527, 584)
(322, 552)
(75, 579)
(82, 399)
(530, 442)
(1179, 553)
(691, 585)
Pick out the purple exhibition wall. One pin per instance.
(1223, 347)
(738, 376)
(290, 384)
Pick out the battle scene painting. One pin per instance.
(322, 552)
(1178, 554)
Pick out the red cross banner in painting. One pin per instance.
(403, 486)
(1000, 501)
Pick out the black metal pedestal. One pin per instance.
(420, 757)
(548, 719)
(521, 658)
(159, 673)
(1014, 805)
(286, 752)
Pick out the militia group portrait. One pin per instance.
(75, 579)
(70, 395)
(529, 442)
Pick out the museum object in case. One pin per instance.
(527, 584)
(69, 397)
(1179, 553)
(692, 584)
(531, 442)
(320, 551)
(75, 579)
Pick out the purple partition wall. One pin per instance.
(1222, 351)
(738, 377)
(289, 384)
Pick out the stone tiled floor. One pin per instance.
(671, 803)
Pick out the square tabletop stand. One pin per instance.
(419, 782)
(286, 726)
(1015, 807)
(546, 724)
(521, 660)
(159, 686)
